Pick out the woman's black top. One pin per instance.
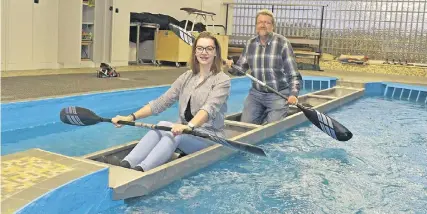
(187, 114)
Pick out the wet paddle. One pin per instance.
(79, 116)
(326, 124)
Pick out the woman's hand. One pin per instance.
(115, 119)
(177, 129)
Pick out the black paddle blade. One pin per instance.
(182, 34)
(247, 148)
(240, 146)
(230, 143)
(79, 116)
(328, 125)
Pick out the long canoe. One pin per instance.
(128, 183)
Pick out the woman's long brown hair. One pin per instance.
(217, 63)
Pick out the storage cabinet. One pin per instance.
(120, 24)
(19, 51)
(171, 48)
(95, 34)
(78, 36)
(69, 33)
(223, 42)
(108, 23)
(3, 37)
(29, 36)
(88, 20)
(47, 34)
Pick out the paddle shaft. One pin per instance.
(79, 116)
(241, 146)
(265, 85)
(147, 125)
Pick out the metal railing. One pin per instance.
(380, 29)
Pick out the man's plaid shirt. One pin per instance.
(273, 64)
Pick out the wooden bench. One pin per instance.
(302, 47)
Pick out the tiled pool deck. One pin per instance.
(27, 175)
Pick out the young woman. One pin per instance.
(202, 94)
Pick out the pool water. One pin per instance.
(382, 169)
(36, 124)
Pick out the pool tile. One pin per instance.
(24, 172)
(30, 174)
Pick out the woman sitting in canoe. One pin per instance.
(202, 95)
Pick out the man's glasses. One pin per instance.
(264, 23)
(209, 49)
